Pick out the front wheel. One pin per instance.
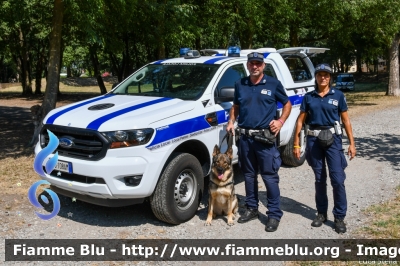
(177, 195)
(287, 155)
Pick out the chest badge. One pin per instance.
(334, 102)
(267, 92)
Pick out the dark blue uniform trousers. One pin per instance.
(254, 156)
(317, 157)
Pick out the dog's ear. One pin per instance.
(216, 150)
(229, 152)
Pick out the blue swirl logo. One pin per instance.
(38, 167)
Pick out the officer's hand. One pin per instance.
(230, 128)
(352, 151)
(275, 126)
(296, 153)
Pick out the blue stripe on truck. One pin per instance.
(98, 122)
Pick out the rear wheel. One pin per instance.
(288, 157)
(177, 195)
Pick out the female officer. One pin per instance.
(322, 108)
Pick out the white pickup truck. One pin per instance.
(153, 135)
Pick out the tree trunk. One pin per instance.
(293, 36)
(394, 86)
(126, 59)
(95, 63)
(358, 62)
(198, 43)
(39, 71)
(117, 68)
(53, 78)
(25, 73)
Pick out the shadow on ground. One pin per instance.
(380, 147)
(17, 129)
(17, 126)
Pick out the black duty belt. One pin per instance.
(251, 132)
(316, 132)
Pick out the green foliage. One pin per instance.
(125, 34)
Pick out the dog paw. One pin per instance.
(207, 223)
(230, 223)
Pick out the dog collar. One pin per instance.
(227, 184)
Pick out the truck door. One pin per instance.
(228, 77)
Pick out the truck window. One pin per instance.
(186, 82)
(269, 70)
(298, 69)
(345, 78)
(231, 75)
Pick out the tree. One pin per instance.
(380, 22)
(53, 76)
(24, 28)
(394, 86)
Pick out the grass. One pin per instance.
(385, 220)
(67, 85)
(366, 93)
(17, 174)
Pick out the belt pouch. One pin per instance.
(325, 138)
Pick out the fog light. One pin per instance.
(132, 181)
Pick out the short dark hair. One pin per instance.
(330, 81)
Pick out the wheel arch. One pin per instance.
(198, 150)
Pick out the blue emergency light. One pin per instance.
(234, 51)
(192, 54)
(183, 51)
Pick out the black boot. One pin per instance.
(271, 225)
(340, 226)
(249, 215)
(321, 218)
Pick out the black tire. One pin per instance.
(287, 150)
(177, 195)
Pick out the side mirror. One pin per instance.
(226, 94)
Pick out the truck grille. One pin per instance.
(83, 144)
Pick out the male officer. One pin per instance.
(254, 103)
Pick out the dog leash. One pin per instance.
(229, 139)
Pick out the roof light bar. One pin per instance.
(234, 51)
(183, 51)
(192, 54)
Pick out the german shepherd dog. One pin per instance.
(221, 190)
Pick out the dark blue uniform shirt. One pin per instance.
(323, 111)
(257, 103)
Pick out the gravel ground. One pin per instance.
(371, 178)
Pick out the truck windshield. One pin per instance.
(345, 79)
(186, 82)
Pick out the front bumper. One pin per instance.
(104, 179)
(97, 201)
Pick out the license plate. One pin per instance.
(64, 167)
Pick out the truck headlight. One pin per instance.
(128, 138)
